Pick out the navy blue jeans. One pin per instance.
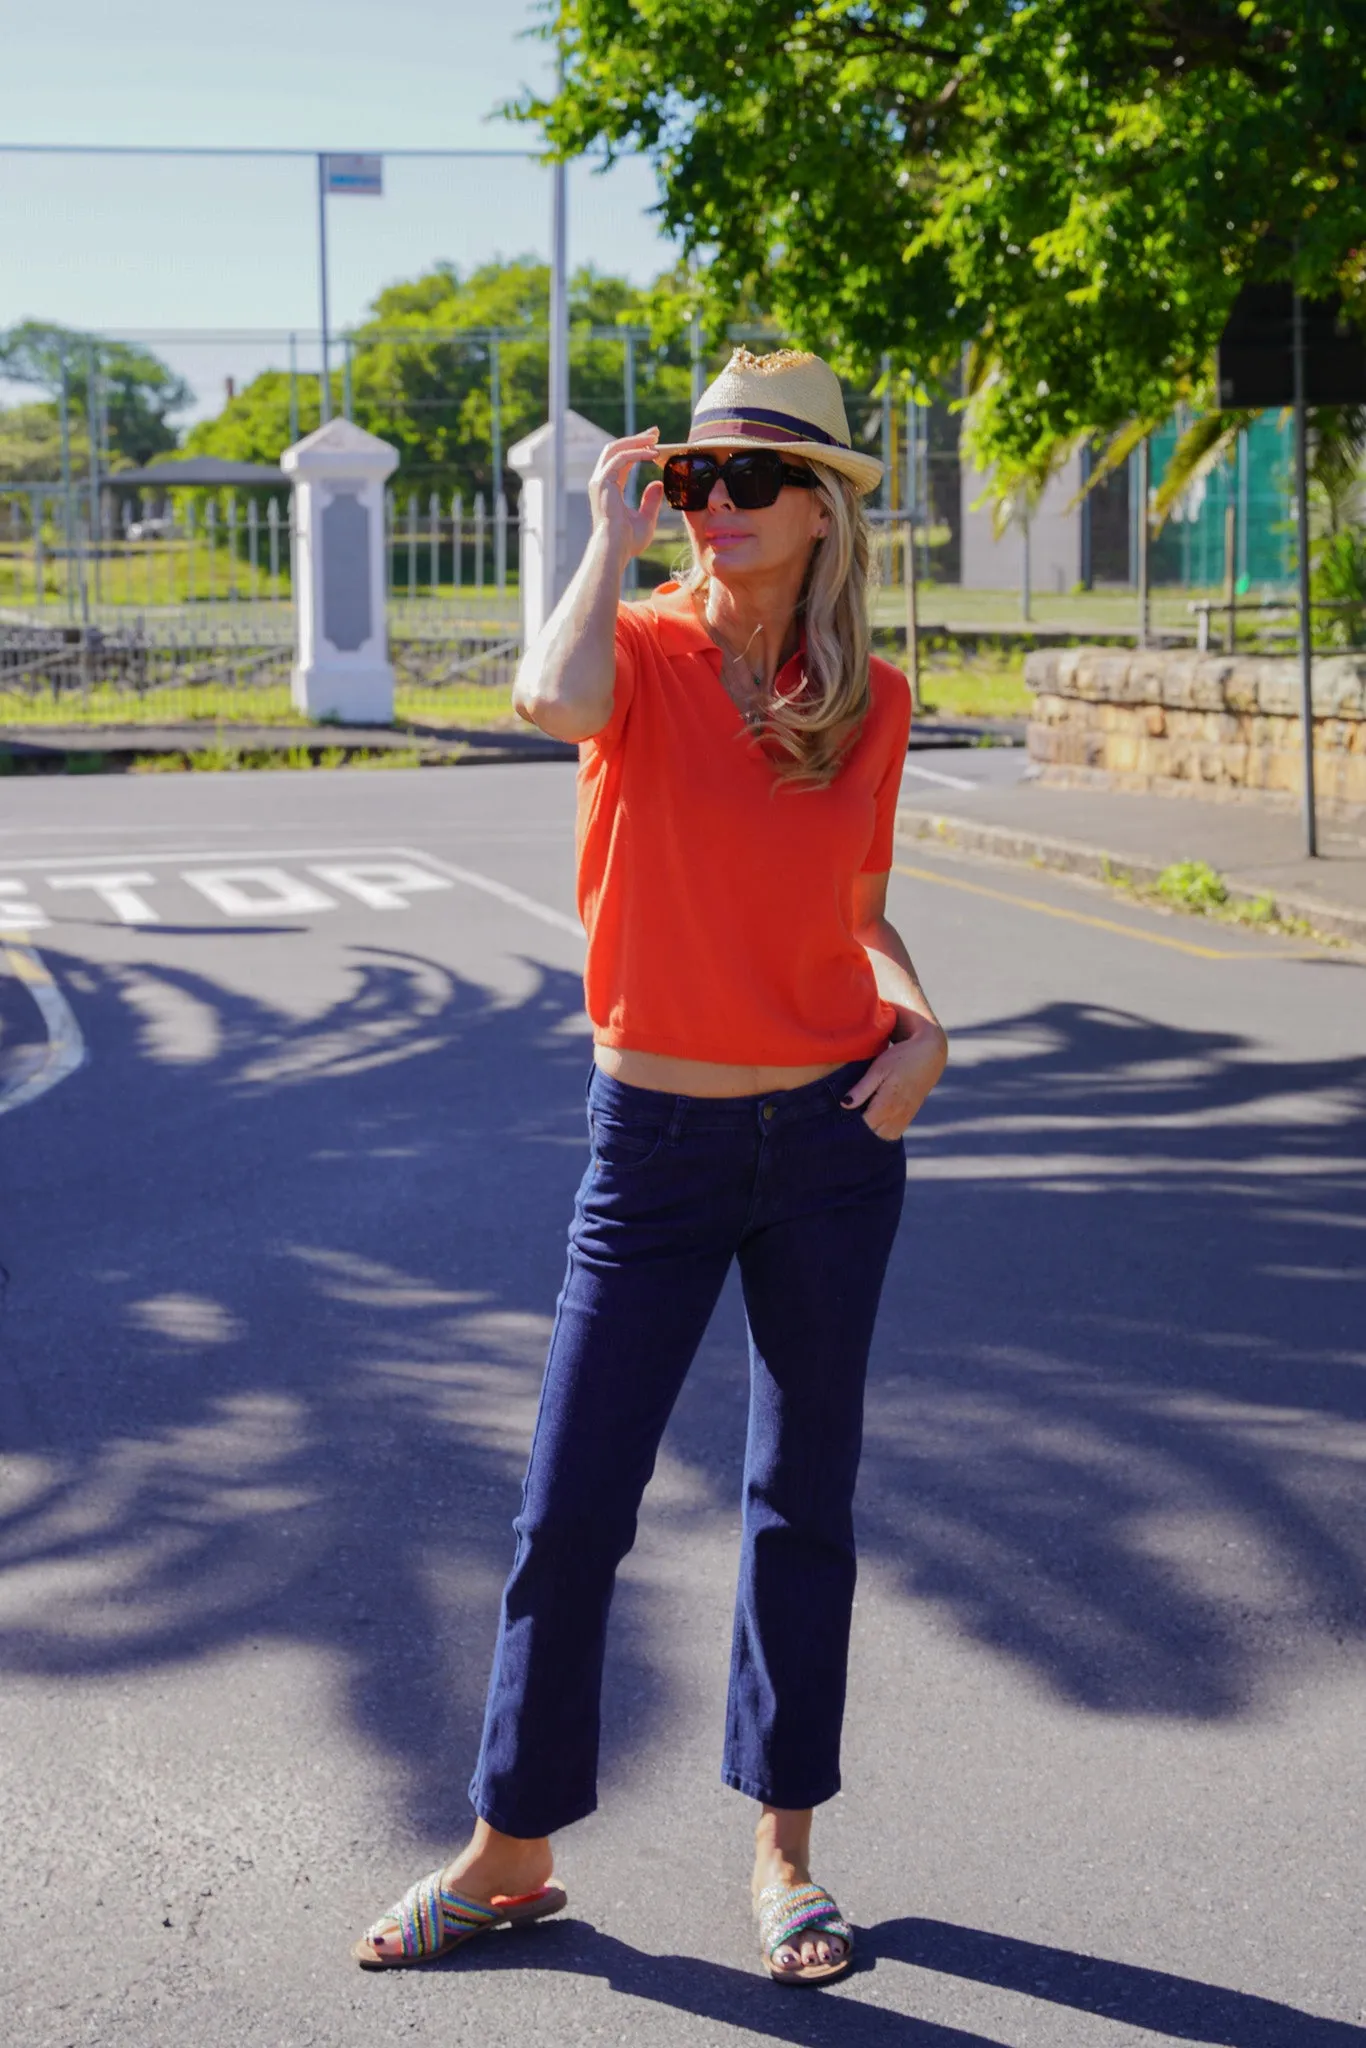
(807, 1198)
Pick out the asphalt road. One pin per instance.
(282, 1257)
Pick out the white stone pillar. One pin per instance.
(341, 662)
(533, 460)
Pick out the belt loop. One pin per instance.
(678, 1118)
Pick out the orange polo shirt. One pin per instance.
(718, 901)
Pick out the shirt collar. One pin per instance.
(680, 631)
(678, 627)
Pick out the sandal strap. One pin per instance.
(430, 1915)
(787, 1912)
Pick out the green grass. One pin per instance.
(987, 687)
(225, 759)
(484, 708)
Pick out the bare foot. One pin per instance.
(782, 1855)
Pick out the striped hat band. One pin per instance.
(755, 424)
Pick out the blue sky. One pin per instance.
(228, 247)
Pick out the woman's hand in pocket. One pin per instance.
(897, 1085)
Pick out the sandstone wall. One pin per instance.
(1211, 724)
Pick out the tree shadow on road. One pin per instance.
(279, 1303)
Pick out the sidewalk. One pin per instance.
(1258, 850)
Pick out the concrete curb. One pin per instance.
(116, 745)
(1093, 863)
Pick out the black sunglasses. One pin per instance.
(753, 477)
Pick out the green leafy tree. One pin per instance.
(31, 446)
(1066, 194)
(138, 394)
(421, 372)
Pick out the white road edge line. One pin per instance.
(219, 856)
(934, 775)
(558, 918)
(39, 1068)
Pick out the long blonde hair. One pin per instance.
(814, 725)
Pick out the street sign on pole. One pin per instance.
(352, 177)
(358, 177)
(1255, 359)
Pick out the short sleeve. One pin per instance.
(896, 736)
(624, 683)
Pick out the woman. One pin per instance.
(761, 1043)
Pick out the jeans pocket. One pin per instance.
(860, 1116)
(619, 1145)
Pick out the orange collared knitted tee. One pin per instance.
(718, 900)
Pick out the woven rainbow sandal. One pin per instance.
(790, 1913)
(430, 1920)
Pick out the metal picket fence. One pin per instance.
(164, 610)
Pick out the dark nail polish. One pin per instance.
(846, 1102)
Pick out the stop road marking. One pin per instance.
(381, 884)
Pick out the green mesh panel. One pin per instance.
(1190, 548)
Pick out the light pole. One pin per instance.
(1311, 829)
(1141, 537)
(325, 389)
(559, 373)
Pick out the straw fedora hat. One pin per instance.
(790, 401)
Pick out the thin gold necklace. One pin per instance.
(743, 683)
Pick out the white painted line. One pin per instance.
(933, 775)
(39, 1068)
(217, 854)
(118, 892)
(561, 921)
(20, 915)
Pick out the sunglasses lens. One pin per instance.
(754, 479)
(688, 481)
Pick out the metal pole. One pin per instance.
(1087, 533)
(293, 389)
(64, 423)
(1141, 536)
(325, 389)
(912, 607)
(1311, 830)
(628, 392)
(346, 377)
(1230, 558)
(558, 553)
(92, 419)
(1243, 466)
(628, 386)
(1026, 564)
(496, 410)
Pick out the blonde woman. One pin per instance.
(761, 1043)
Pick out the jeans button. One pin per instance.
(768, 1112)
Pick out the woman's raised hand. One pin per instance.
(632, 527)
